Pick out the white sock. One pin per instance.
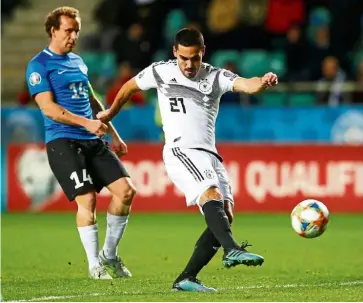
(115, 229)
(89, 238)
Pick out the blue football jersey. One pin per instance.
(66, 77)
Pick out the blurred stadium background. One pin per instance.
(302, 139)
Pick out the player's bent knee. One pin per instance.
(123, 190)
(212, 193)
(127, 196)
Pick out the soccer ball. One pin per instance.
(309, 218)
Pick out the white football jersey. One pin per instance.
(188, 107)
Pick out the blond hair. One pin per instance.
(53, 18)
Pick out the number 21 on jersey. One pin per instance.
(177, 105)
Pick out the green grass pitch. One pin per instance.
(42, 260)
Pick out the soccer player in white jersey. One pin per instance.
(189, 92)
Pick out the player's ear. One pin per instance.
(174, 51)
(203, 51)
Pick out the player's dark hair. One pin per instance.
(53, 18)
(189, 37)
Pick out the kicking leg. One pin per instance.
(88, 232)
(216, 218)
(205, 249)
(118, 211)
(217, 221)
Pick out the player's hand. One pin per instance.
(104, 116)
(269, 80)
(119, 146)
(96, 127)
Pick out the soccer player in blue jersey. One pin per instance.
(78, 154)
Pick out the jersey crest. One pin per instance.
(205, 86)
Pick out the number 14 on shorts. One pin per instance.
(75, 178)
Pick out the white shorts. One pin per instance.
(193, 171)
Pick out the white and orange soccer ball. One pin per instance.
(309, 218)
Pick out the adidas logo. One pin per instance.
(173, 81)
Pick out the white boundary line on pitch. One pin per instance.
(349, 283)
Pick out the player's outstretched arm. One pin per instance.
(58, 113)
(120, 146)
(123, 95)
(256, 84)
